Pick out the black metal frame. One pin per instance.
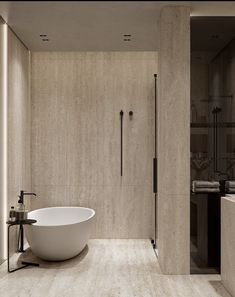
(215, 112)
(154, 241)
(21, 232)
(121, 118)
(25, 263)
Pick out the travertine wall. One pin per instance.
(2, 204)
(174, 141)
(17, 117)
(76, 101)
(18, 123)
(19, 108)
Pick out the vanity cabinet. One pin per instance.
(228, 243)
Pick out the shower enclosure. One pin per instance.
(212, 131)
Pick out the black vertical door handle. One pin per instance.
(121, 147)
(155, 175)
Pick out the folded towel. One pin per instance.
(205, 184)
(230, 184)
(206, 190)
(230, 190)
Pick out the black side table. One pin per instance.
(20, 223)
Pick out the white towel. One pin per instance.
(230, 184)
(230, 190)
(206, 190)
(205, 184)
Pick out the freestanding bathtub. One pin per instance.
(60, 232)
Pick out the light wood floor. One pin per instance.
(107, 268)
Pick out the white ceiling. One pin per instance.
(96, 25)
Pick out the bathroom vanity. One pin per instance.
(228, 243)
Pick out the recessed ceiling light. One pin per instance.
(215, 36)
(127, 39)
(45, 39)
(127, 35)
(43, 35)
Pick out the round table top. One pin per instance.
(22, 222)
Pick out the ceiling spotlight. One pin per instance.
(127, 39)
(43, 35)
(215, 36)
(127, 35)
(45, 39)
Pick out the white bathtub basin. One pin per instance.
(60, 232)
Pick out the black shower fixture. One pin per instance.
(154, 240)
(121, 156)
(216, 110)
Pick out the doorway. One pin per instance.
(212, 133)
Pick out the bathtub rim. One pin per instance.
(63, 225)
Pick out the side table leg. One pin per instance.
(8, 248)
(26, 264)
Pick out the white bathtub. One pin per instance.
(60, 232)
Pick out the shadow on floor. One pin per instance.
(197, 266)
(219, 288)
(29, 256)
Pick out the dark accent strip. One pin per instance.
(121, 118)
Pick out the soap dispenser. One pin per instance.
(12, 214)
(21, 214)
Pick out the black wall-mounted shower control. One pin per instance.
(131, 113)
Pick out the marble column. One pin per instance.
(174, 141)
